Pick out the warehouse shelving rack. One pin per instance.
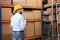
(57, 14)
(29, 20)
(50, 26)
(25, 8)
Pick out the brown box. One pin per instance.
(31, 3)
(38, 28)
(46, 18)
(45, 12)
(58, 1)
(36, 14)
(6, 31)
(28, 14)
(19, 2)
(6, 13)
(29, 32)
(50, 2)
(49, 10)
(5, 2)
(6, 28)
(39, 2)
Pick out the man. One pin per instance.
(18, 23)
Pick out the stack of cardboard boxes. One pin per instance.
(32, 28)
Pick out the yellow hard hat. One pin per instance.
(16, 7)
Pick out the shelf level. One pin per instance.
(33, 37)
(50, 21)
(46, 14)
(10, 6)
(54, 5)
(29, 20)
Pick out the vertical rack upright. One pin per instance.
(0, 22)
(51, 23)
(57, 14)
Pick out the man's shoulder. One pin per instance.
(12, 16)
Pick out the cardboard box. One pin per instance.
(50, 2)
(6, 13)
(29, 32)
(19, 2)
(6, 28)
(49, 10)
(31, 3)
(5, 2)
(36, 14)
(38, 28)
(6, 31)
(39, 2)
(45, 12)
(28, 14)
(58, 1)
